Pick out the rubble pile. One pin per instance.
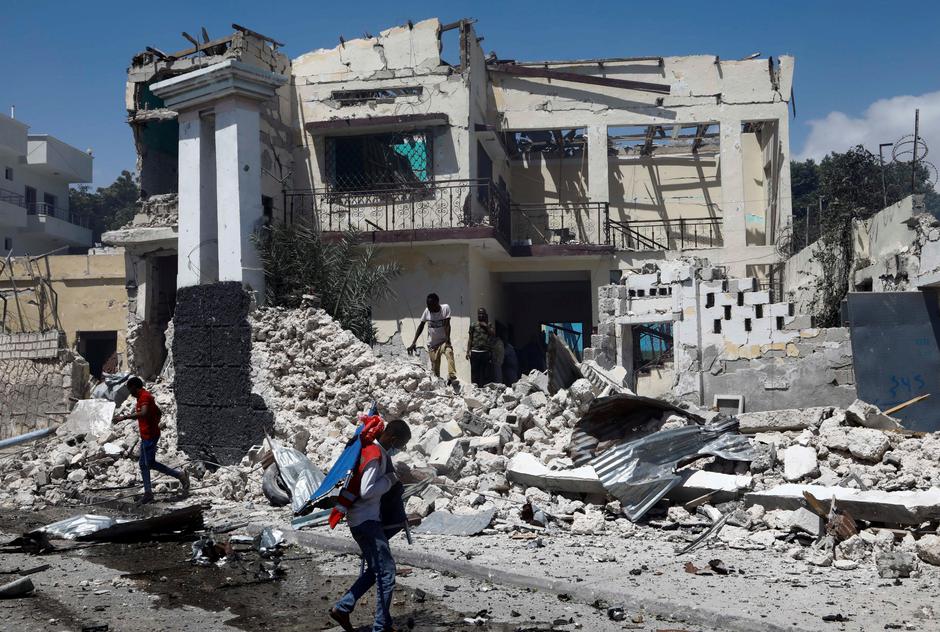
(316, 377)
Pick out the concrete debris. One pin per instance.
(869, 416)
(928, 549)
(895, 564)
(490, 450)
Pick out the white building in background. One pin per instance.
(35, 173)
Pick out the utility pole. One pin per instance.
(914, 160)
(806, 239)
(884, 187)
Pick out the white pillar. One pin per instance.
(732, 186)
(197, 241)
(598, 165)
(220, 170)
(238, 186)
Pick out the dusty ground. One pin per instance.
(152, 586)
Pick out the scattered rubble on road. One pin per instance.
(584, 459)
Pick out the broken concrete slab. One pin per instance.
(91, 417)
(928, 549)
(527, 470)
(894, 564)
(447, 457)
(806, 521)
(870, 416)
(799, 462)
(902, 507)
(867, 444)
(781, 420)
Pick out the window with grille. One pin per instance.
(397, 160)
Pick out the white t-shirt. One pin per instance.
(436, 321)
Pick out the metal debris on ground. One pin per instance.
(639, 473)
(268, 541)
(106, 529)
(705, 535)
(300, 476)
(446, 523)
(17, 588)
(77, 526)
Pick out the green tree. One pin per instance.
(342, 272)
(109, 207)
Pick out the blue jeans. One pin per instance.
(148, 461)
(379, 570)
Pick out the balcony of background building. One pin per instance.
(50, 156)
(12, 209)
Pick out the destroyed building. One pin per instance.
(521, 187)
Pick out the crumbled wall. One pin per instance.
(744, 344)
(396, 57)
(157, 211)
(218, 417)
(37, 380)
(156, 151)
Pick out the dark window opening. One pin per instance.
(716, 326)
(758, 311)
(747, 324)
(790, 309)
(740, 299)
(652, 345)
(632, 293)
(8, 173)
(378, 95)
(641, 292)
(49, 203)
(267, 208)
(7, 243)
(484, 171)
(397, 160)
(710, 299)
(779, 322)
(99, 348)
(727, 312)
(31, 200)
(616, 276)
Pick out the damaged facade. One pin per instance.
(519, 187)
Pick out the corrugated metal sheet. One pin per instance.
(639, 473)
(446, 523)
(617, 418)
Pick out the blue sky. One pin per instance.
(63, 63)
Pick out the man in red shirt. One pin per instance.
(148, 414)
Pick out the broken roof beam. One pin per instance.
(600, 61)
(573, 77)
(195, 49)
(648, 141)
(247, 31)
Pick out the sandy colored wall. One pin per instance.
(90, 290)
(443, 269)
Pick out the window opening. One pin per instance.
(379, 161)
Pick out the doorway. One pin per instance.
(99, 348)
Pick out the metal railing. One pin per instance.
(665, 234)
(43, 208)
(409, 206)
(560, 223)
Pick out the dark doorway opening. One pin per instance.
(99, 348)
(549, 299)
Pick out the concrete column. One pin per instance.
(732, 186)
(784, 203)
(238, 186)
(598, 166)
(198, 235)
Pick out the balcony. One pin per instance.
(12, 209)
(441, 207)
(665, 234)
(432, 205)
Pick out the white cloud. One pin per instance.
(885, 121)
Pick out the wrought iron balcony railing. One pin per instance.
(560, 223)
(412, 206)
(665, 234)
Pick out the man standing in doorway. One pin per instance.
(148, 415)
(480, 349)
(437, 317)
